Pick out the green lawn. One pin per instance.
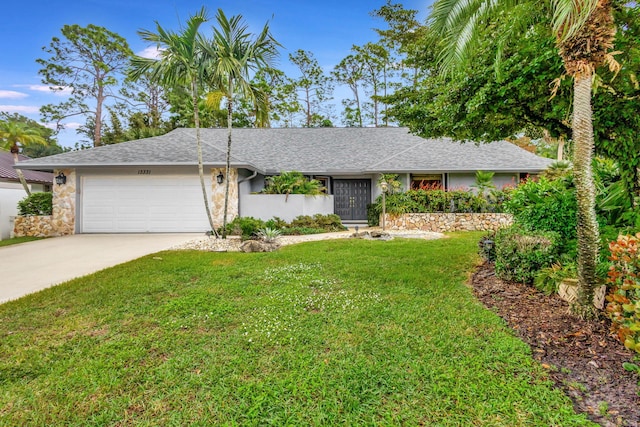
(16, 240)
(338, 332)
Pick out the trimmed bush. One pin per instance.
(245, 226)
(545, 205)
(249, 227)
(521, 254)
(422, 201)
(36, 204)
(326, 223)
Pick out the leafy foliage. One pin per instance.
(547, 279)
(36, 204)
(521, 253)
(331, 222)
(90, 62)
(544, 205)
(249, 227)
(420, 201)
(269, 235)
(623, 306)
(293, 182)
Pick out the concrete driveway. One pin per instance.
(30, 267)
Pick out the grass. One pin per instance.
(17, 240)
(347, 332)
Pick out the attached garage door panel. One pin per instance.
(140, 204)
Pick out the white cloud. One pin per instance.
(73, 125)
(70, 125)
(23, 109)
(152, 52)
(11, 94)
(43, 88)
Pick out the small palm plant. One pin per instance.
(293, 182)
(269, 235)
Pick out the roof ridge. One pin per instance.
(397, 154)
(232, 157)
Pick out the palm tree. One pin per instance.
(230, 57)
(585, 33)
(180, 63)
(13, 136)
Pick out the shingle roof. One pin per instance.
(8, 173)
(308, 150)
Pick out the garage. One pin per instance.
(142, 204)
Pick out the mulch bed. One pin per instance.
(583, 358)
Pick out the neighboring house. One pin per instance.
(152, 185)
(11, 191)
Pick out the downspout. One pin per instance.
(240, 181)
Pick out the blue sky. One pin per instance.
(327, 28)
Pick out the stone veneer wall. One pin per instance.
(33, 226)
(62, 221)
(217, 195)
(64, 204)
(442, 222)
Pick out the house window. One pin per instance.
(324, 182)
(426, 182)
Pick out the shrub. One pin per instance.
(547, 279)
(298, 231)
(245, 226)
(438, 200)
(293, 183)
(521, 254)
(373, 215)
(545, 205)
(325, 223)
(623, 307)
(275, 222)
(36, 204)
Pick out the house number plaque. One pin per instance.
(144, 171)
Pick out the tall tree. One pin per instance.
(179, 64)
(88, 62)
(282, 96)
(14, 135)
(376, 72)
(229, 59)
(314, 87)
(349, 71)
(584, 34)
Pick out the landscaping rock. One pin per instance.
(258, 246)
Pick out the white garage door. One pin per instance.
(140, 204)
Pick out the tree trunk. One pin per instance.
(560, 152)
(23, 181)
(588, 240)
(228, 163)
(97, 126)
(196, 119)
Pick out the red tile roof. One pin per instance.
(8, 173)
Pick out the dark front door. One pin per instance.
(351, 197)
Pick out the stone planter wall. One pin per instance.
(34, 226)
(441, 222)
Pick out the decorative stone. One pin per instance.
(442, 222)
(258, 246)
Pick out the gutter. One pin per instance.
(248, 178)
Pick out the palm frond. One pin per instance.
(570, 16)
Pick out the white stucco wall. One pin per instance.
(467, 180)
(267, 206)
(10, 194)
